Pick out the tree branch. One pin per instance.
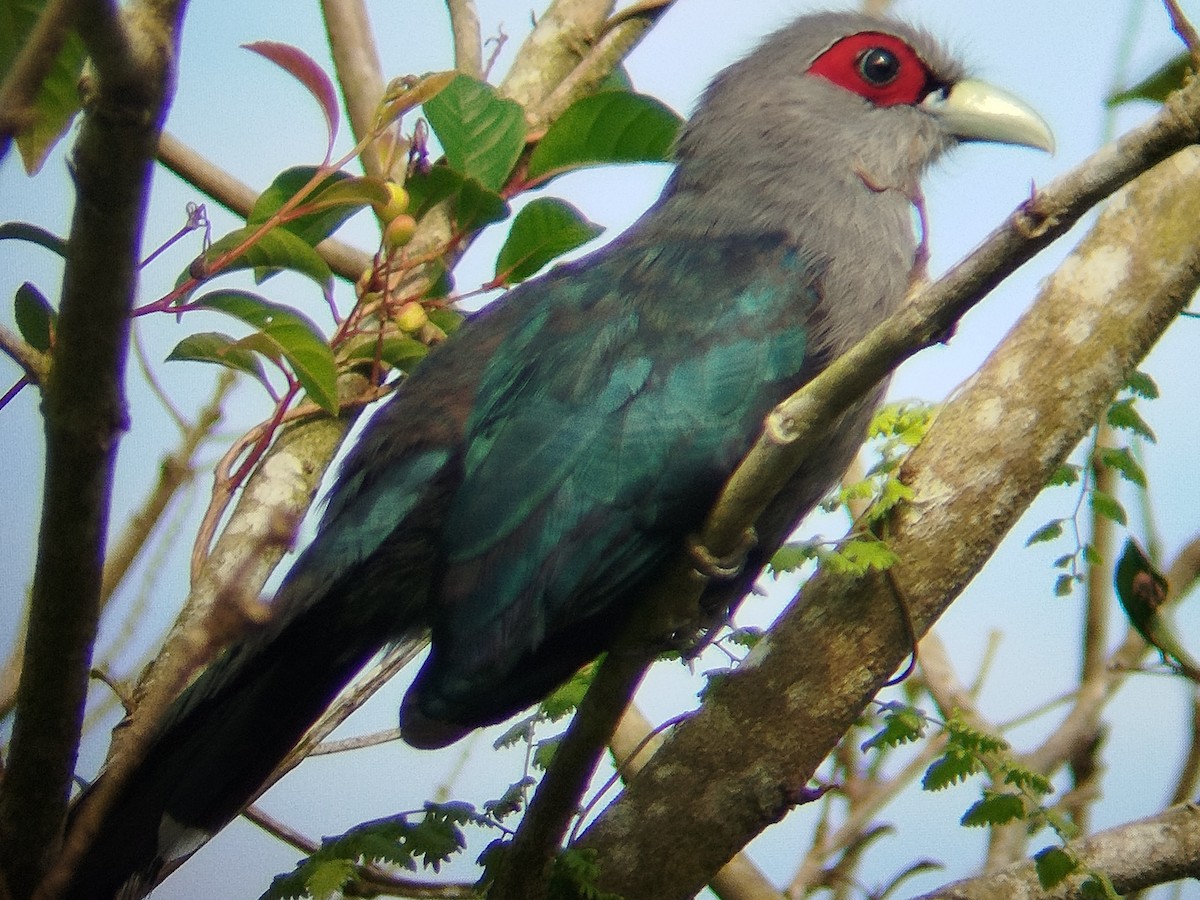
(1155, 850)
(133, 59)
(468, 42)
(747, 754)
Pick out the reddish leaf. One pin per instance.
(304, 69)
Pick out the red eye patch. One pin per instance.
(878, 67)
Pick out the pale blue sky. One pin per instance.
(249, 118)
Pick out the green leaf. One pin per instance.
(35, 317)
(327, 877)
(396, 351)
(510, 801)
(334, 200)
(274, 249)
(482, 133)
(604, 128)
(864, 554)
(1121, 460)
(566, 699)
(902, 724)
(1021, 777)
(1053, 865)
(304, 69)
(291, 334)
(1067, 473)
(1063, 585)
(544, 230)
(57, 100)
(996, 808)
(543, 753)
(214, 347)
(34, 234)
(1098, 886)
(1106, 505)
(747, 636)
(972, 739)
(1142, 385)
(1156, 86)
(1121, 414)
(790, 557)
(1047, 532)
(949, 769)
(476, 206)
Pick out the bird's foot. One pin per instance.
(728, 565)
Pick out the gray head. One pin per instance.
(837, 99)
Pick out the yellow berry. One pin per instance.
(397, 203)
(399, 231)
(412, 316)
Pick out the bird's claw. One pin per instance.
(727, 566)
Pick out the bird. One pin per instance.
(516, 495)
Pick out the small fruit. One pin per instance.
(412, 317)
(399, 231)
(397, 202)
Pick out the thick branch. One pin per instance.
(1155, 850)
(747, 755)
(360, 76)
(133, 57)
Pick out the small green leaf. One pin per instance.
(790, 557)
(476, 206)
(901, 725)
(566, 699)
(396, 351)
(482, 133)
(327, 877)
(1021, 777)
(1067, 473)
(334, 200)
(1106, 505)
(510, 801)
(35, 317)
(949, 769)
(544, 230)
(34, 234)
(1142, 385)
(1053, 866)
(996, 808)
(1098, 886)
(1121, 461)
(1047, 532)
(304, 69)
(214, 347)
(291, 333)
(747, 636)
(864, 554)
(543, 753)
(277, 248)
(1063, 585)
(604, 128)
(57, 100)
(429, 188)
(1122, 414)
(1156, 86)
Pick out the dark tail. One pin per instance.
(223, 738)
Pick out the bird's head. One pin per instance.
(848, 95)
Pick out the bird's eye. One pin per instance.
(879, 66)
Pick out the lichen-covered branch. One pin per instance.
(1150, 851)
(746, 756)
